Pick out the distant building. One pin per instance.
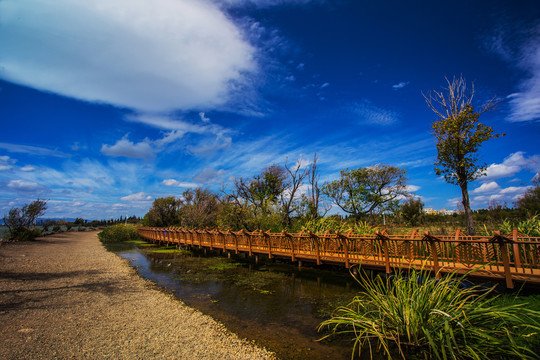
(431, 211)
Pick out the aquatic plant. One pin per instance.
(415, 316)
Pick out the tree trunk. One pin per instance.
(468, 212)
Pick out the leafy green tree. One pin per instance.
(364, 191)
(459, 135)
(529, 202)
(21, 222)
(412, 211)
(164, 212)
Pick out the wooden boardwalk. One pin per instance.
(510, 257)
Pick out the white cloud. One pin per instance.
(488, 187)
(371, 114)
(140, 196)
(400, 85)
(513, 164)
(28, 168)
(148, 55)
(412, 188)
(203, 117)
(515, 190)
(24, 186)
(124, 147)
(176, 183)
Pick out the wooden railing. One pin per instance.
(512, 257)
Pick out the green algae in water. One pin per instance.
(171, 251)
(136, 242)
(224, 266)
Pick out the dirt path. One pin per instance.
(66, 297)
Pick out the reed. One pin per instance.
(414, 316)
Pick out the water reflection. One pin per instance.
(276, 304)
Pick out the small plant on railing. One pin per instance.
(417, 316)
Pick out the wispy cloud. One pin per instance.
(32, 150)
(264, 3)
(209, 175)
(24, 186)
(193, 53)
(6, 163)
(369, 113)
(521, 48)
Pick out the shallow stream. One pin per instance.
(274, 303)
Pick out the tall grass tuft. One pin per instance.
(415, 316)
(119, 233)
(529, 227)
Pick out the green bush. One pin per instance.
(22, 234)
(416, 316)
(119, 233)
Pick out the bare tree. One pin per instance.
(459, 135)
(289, 199)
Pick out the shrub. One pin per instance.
(21, 222)
(417, 316)
(119, 233)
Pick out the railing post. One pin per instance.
(433, 250)
(517, 259)
(502, 241)
(384, 241)
(248, 237)
(345, 241)
(315, 239)
(268, 241)
(285, 234)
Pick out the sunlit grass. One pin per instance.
(415, 316)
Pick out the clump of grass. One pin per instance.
(119, 233)
(416, 316)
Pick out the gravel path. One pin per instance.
(66, 297)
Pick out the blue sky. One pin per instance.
(106, 105)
